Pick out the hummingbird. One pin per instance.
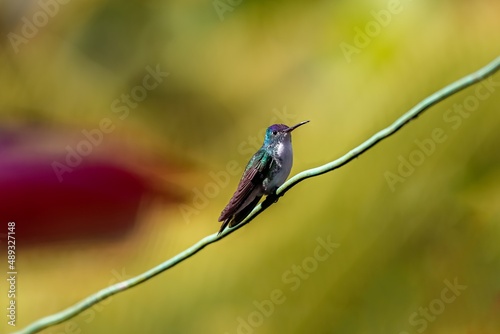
(266, 171)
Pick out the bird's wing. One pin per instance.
(252, 177)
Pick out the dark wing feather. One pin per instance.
(238, 218)
(252, 177)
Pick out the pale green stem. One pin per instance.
(440, 95)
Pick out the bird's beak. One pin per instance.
(290, 129)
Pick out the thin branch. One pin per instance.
(435, 98)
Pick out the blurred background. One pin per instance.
(125, 126)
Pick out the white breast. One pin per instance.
(284, 157)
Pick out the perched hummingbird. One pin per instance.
(264, 174)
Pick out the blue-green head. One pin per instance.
(278, 133)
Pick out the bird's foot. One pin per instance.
(272, 198)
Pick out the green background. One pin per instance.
(264, 62)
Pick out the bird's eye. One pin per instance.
(275, 132)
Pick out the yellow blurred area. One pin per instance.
(181, 92)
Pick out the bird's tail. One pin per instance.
(240, 216)
(224, 224)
